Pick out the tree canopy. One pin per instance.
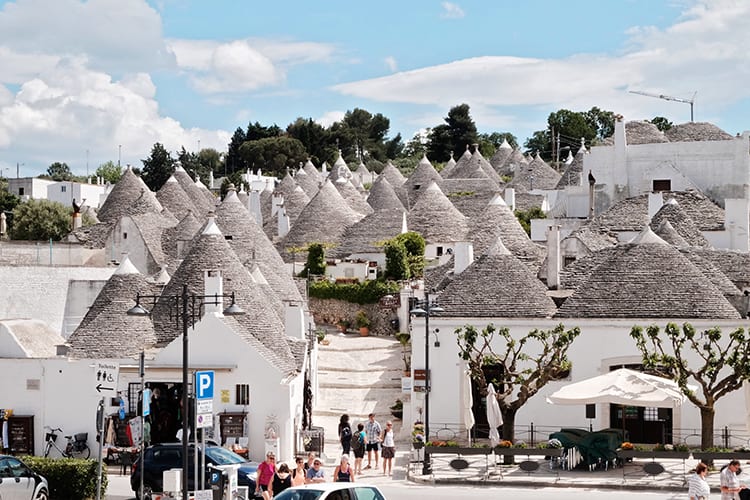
(458, 130)
(42, 219)
(109, 171)
(59, 172)
(570, 126)
(718, 364)
(274, 154)
(157, 167)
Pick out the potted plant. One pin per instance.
(362, 322)
(404, 339)
(397, 410)
(343, 325)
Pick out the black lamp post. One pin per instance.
(179, 304)
(426, 308)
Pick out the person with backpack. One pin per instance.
(359, 440)
(345, 433)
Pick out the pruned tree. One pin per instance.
(396, 260)
(316, 260)
(718, 364)
(522, 365)
(414, 244)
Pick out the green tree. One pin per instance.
(602, 121)
(519, 367)
(233, 178)
(157, 167)
(110, 172)
(662, 123)
(594, 124)
(361, 135)
(722, 366)
(40, 220)
(458, 130)
(524, 217)
(318, 143)
(488, 143)
(274, 154)
(316, 260)
(396, 261)
(414, 245)
(256, 131)
(234, 160)
(59, 172)
(8, 200)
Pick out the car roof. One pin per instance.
(332, 486)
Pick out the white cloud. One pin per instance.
(451, 11)
(63, 112)
(391, 63)
(705, 52)
(330, 117)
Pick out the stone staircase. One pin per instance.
(357, 376)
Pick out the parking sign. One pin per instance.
(204, 385)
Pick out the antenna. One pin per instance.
(690, 101)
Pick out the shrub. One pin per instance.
(361, 320)
(69, 478)
(368, 292)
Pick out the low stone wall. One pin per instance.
(331, 311)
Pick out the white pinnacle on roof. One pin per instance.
(647, 236)
(498, 248)
(162, 277)
(505, 145)
(211, 227)
(126, 267)
(498, 200)
(404, 225)
(171, 179)
(257, 275)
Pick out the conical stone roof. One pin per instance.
(501, 156)
(448, 168)
(681, 222)
(130, 195)
(668, 233)
(307, 182)
(202, 206)
(287, 185)
(535, 175)
(382, 196)
(352, 196)
(369, 234)
(477, 167)
(107, 331)
(174, 198)
(647, 279)
(339, 169)
(397, 180)
(436, 219)
(496, 285)
(420, 179)
(323, 220)
(313, 172)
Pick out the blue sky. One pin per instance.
(87, 82)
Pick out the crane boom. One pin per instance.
(690, 101)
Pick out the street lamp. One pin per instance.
(426, 308)
(181, 304)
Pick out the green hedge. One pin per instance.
(69, 478)
(368, 292)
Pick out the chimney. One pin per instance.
(277, 200)
(510, 198)
(294, 320)
(211, 179)
(253, 202)
(77, 220)
(283, 219)
(213, 285)
(463, 256)
(655, 202)
(592, 184)
(553, 257)
(3, 224)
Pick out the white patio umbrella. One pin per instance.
(494, 416)
(622, 386)
(468, 403)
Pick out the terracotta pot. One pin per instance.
(364, 331)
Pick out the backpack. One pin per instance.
(359, 443)
(346, 432)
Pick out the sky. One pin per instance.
(85, 82)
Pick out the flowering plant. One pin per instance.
(504, 444)
(627, 445)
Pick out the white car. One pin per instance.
(18, 482)
(331, 491)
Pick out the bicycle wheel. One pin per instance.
(72, 452)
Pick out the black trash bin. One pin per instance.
(217, 480)
(317, 440)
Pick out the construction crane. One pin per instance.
(670, 98)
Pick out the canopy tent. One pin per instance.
(624, 387)
(494, 415)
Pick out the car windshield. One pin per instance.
(306, 494)
(222, 456)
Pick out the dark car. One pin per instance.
(19, 482)
(162, 457)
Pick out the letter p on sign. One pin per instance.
(204, 385)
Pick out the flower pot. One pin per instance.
(364, 331)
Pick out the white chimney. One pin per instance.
(463, 256)
(655, 202)
(510, 198)
(77, 220)
(253, 202)
(277, 199)
(211, 179)
(294, 320)
(283, 219)
(213, 285)
(736, 215)
(553, 257)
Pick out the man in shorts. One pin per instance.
(373, 430)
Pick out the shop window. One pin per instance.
(242, 394)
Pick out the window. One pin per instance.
(242, 394)
(348, 273)
(439, 251)
(124, 236)
(63, 189)
(567, 260)
(662, 185)
(20, 191)
(651, 414)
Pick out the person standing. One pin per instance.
(310, 460)
(345, 433)
(730, 483)
(266, 472)
(343, 472)
(298, 474)
(359, 441)
(389, 448)
(698, 488)
(281, 480)
(373, 431)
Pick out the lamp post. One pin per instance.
(426, 308)
(180, 302)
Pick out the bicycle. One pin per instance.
(76, 446)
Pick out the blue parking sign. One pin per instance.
(204, 385)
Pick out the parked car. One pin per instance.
(19, 482)
(331, 491)
(161, 457)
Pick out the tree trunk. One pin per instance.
(509, 430)
(707, 427)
